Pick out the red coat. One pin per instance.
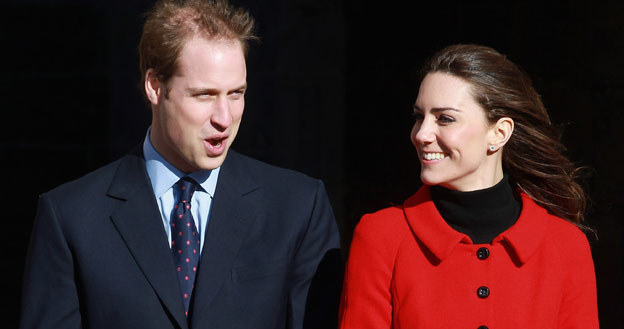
(408, 269)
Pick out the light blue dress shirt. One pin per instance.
(164, 175)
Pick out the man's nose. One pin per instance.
(222, 116)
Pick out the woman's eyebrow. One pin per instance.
(437, 109)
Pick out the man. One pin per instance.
(183, 232)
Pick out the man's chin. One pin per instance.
(210, 163)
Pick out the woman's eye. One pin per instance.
(445, 119)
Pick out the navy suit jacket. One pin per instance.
(99, 256)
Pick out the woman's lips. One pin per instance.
(433, 155)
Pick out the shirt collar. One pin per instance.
(524, 237)
(529, 231)
(164, 175)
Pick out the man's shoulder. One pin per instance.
(88, 185)
(268, 174)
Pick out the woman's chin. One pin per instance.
(430, 180)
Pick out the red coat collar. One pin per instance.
(523, 238)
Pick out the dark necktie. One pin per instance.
(185, 238)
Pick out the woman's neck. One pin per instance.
(481, 214)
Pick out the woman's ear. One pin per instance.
(500, 133)
(153, 87)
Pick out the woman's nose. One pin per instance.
(422, 132)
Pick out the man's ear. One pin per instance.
(153, 87)
(501, 132)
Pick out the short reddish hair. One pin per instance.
(170, 24)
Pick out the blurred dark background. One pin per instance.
(331, 87)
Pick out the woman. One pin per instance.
(492, 239)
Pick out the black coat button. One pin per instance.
(483, 292)
(483, 253)
(483, 327)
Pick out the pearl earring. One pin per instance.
(492, 148)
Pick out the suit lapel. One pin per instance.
(139, 223)
(233, 210)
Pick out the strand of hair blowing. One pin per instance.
(533, 156)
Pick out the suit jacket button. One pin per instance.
(483, 253)
(483, 292)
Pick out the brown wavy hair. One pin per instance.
(533, 156)
(171, 23)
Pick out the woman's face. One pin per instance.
(452, 136)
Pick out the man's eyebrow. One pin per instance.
(200, 90)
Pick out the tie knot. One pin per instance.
(185, 188)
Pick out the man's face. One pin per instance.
(195, 123)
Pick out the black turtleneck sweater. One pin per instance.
(481, 214)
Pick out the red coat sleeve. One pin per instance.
(579, 308)
(366, 297)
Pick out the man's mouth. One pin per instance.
(215, 146)
(215, 142)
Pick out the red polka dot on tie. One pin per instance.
(185, 258)
(172, 224)
(186, 313)
(173, 242)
